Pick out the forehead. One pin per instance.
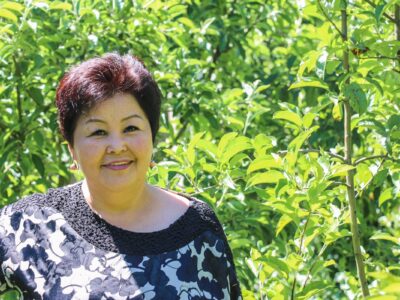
(120, 106)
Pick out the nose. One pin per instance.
(116, 144)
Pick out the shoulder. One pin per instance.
(34, 201)
(26, 203)
(40, 205)
(201, 214)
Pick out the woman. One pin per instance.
(113, 236)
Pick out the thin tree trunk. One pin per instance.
(397, 19)
(350, 175)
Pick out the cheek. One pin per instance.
(142, 145)
(89, 151)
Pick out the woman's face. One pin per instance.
(113, 144)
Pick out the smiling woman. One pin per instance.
(113, 236)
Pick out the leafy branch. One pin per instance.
(313, 265)
(300, 252)
(361, 160)
(379, 57)
(385, 14)
(283, 152)
(372, 178)
(329, 18)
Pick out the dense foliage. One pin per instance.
(283, 115)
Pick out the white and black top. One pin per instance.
(52, 246)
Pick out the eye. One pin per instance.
(99, 132)
(131, 128)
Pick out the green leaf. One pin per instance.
(308, 119)
(375, 83)
(37, 161)
(60, 5)
(10, 295)
(334, 236)
(226, 138)
(300, 139)
(339, 5)
(293, 261)
(393, 121)
(308, 63)
(6, 14)
(266, 162)
(289, 116)
(206, 24)
(12, 5)
(380, 177)
(337, 111)
(321, 65)
(239, 243)
(36, 95)
(362, 176)
(262, 88)
(330, 262)
(232, 95)
(236, 146)
(283, 221)
(385, 236)
(386, 195)
(177, 39)
(187, 22)
(379, 9)
(262, 142)
(309, 83)
(210, 168)
(208, 147)
(340, 170)
(193, 142)
(271, 176)
(277, 264)
(312, 289)
(174, 155)
(356, 96)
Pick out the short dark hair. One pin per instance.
(99, 79)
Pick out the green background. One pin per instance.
(252, 123)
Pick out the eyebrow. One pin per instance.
(93, 120)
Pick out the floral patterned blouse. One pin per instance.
(52, 246)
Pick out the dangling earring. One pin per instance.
(74, 166)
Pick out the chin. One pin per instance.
(120, 183)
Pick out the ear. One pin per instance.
(71, 151)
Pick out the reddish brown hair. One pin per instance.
(99, 79)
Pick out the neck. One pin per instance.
(110, 202)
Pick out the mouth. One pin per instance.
(118, 165)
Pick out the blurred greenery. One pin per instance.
(252, 123)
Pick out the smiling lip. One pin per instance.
(118, 165)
